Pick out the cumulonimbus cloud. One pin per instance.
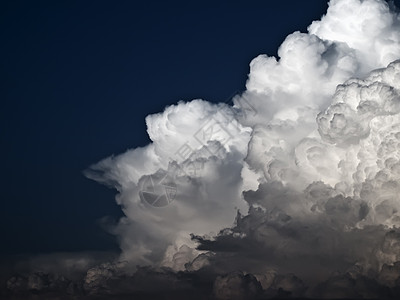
(309, 154)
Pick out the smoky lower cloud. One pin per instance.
(289, 190)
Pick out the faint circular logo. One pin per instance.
(158, 189)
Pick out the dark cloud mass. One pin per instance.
(292, 190)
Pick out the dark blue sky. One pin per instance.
(78, 79)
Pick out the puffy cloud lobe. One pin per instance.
(369, 27)
(357, 102)
(308, 67)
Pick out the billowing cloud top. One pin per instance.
(300, 175)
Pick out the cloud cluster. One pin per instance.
(291, 191)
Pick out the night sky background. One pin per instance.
(79, 77)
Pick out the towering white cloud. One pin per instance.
(199, 148)
(309, 154)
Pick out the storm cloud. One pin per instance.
(290, 189)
